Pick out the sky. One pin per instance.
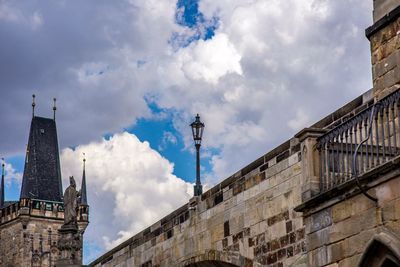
(129, 77)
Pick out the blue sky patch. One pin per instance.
(188, 15)
(164, 138)
(13, 188)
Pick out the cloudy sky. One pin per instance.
(129, 77)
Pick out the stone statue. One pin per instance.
(71, 196)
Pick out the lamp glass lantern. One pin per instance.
(197, 130)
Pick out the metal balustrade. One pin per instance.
(370, 138)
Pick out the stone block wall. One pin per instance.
(382, 7)
(29, 236)
(34, 246)
(385, 53)
(247, 220)
(338, 234)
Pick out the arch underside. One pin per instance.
(211, 263)
(380, 256)
(381, 253)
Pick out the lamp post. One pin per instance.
(197, 131)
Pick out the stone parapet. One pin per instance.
(248, 215)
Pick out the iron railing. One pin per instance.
(370, 138)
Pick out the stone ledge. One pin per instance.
(310, 133)
(383, 22)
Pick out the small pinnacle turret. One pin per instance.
(83, 186)
(2, 183)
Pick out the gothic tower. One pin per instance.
(29, 226)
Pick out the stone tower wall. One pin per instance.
(384, 36)
(28, 236)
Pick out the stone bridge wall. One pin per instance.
(247, 220)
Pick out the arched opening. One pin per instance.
(379, 255)
(212, 263)
(214, 258)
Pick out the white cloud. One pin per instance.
(210, 60)
(168, 138)
(36, 20)
(130, 186)
(12, 14)
(299, 122)
(7, 13)
(12, 175)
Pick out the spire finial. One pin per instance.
(54, 108)
(83, 186)
(33, 105)
(2, 183)
(3, 165)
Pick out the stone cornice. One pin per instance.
(383, 22)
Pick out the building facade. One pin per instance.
(329, 196)
(29, 226)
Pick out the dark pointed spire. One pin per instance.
(2, 183)
(54, 109)
(42, 175)
(33, 105)
(83, 186)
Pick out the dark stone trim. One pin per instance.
(343, 190)
(383, 22)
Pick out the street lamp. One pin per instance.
(197, 131)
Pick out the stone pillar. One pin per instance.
(69, 246)
(384, 36)
(310, 182)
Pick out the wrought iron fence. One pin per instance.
(371, 137)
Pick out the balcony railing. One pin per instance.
(367, 140)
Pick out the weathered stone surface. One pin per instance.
(385, 53)
(254, 224)
(382, 7)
